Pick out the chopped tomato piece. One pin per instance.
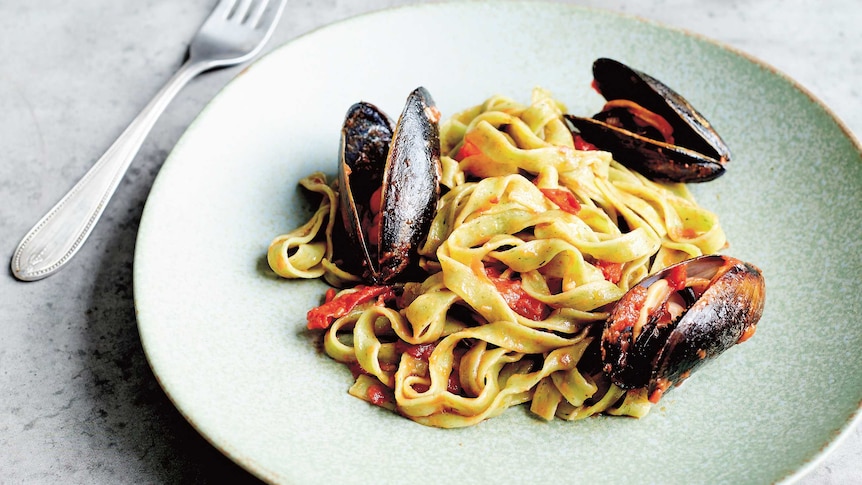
(676, 278)
(564, 199)
(516, 297)
(418, 351)
(612, 272)
(468, 149)
(376, 395)
(322, 317)
(625, 315)
(583, 145)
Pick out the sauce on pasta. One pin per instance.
(535, 238)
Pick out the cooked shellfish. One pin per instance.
(672, 322)
(389, 183)
(650, 128)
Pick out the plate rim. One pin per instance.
(249, 464)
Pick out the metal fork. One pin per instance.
(235, 32)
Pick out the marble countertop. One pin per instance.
(79, 402)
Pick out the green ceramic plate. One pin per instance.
(225, 338)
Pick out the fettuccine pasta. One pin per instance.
(531, 245)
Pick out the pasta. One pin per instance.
(531, 245)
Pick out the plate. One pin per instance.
(226, 338)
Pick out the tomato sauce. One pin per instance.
(468, 149)
(321, 317)
(612, 272)
(516, 297)
(583, 145)
(376, 395)
(626, 314)
(418, 351)
(564, 199)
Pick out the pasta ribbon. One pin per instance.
(532, 243)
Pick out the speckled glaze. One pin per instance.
(226, 338)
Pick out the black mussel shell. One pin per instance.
(660, 356)
(405, 162)
(365, 138)
(654, 159)
(697, 152)
(615, 80)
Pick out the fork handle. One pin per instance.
(62, 230)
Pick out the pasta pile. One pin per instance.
(532, 244)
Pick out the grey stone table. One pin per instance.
(78, 402)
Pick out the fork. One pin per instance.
(235, 32)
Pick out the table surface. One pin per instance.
(80, 404)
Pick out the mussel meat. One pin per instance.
(389, 183)
(650, 128)
(670, 323)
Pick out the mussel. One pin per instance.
(650, 128)
(672, 322)
(389, 183)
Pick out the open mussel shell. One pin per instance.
(696, 152)
(654, 159)
(365, 138)
(389, 183)
(722, 300)
(615, 80)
